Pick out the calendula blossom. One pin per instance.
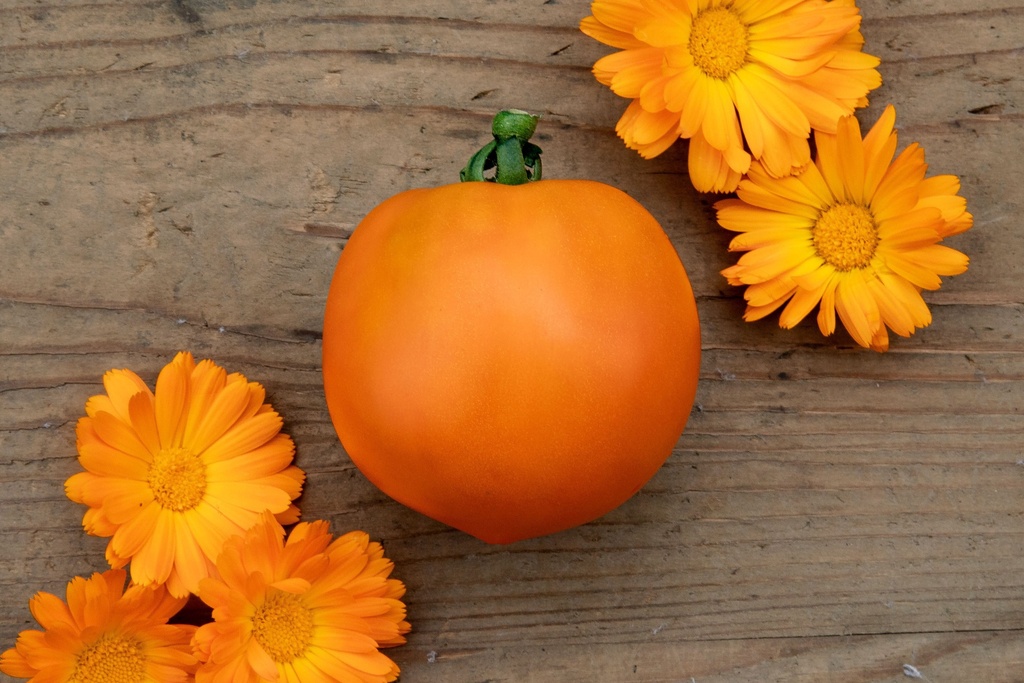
(309, 608)
(103, 634)
(857, 232)
(171, 474)
(741, 79)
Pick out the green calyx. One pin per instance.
(513, 157)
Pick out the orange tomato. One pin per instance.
(510, 360)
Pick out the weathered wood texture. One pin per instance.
(182, 174)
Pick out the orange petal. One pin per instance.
(207, 382)
(793, 188)
(899, 188)
(679, 88)
(802, 303)
(790, 68)
(121, 385)
(609, 36)
(261, 663)
(270, 458)
(171, 398)
(709, 171)
(894, 314)
(909, 297)
(143, 420)
(671, 28)
(739, 216)
(122, 499)
(755, 313)
(857, 308)
(153, 561)
(290, 481)
(189, 560)
(827, 309)
(691, 118)
(629, 70)
(620, 15)
(289, 516)
(120, 435)
(765, 198)
(766, 236)
(913, 271)
(637, 124)
(373, 663)
(243, 438)
(246, 496)
(210, 528)
(768, 91)
(827, 163)
(770, 292)
(50, 611)
(720, 117)
(104, 460)
(941, 259)
(754, 12)
(879, 148)
(133, 534)
(96, 524)
(225, 409)
(850, 151)
(752, 121)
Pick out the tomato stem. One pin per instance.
(513, 157)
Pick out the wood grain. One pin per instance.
(183, 174)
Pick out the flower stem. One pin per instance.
(515, 159)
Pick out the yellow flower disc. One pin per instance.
(111, 659)
(178, 479)
(846, 236)
(283, 626)
(718, 42)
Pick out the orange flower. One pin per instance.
(856, 232)
(727, 72)
(309, 609)
(103, 634)
(171, 475)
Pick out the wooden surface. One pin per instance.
(183, 174)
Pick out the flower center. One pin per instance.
(283, 626)
(718, 42)
(846, 236)
(178, 479)
(111, 659)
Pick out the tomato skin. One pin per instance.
(510, 360)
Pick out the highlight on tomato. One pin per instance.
(509, 355)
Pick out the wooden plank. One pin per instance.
(852, 659)
(184, 174)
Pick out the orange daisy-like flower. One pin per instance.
(313, 608)
(171, 475)
(856, 232)
(103, 634)
(721, 72)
